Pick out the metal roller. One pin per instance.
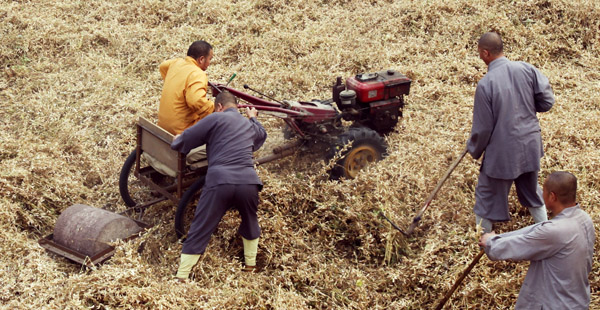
(88, 230)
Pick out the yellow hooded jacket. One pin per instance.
(183, 101)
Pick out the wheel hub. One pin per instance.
(359, 158)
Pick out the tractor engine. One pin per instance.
(375, 100)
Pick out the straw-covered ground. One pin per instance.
(78, 74)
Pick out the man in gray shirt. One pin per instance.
(560, 250)
(506, 127)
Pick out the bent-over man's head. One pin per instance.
(490, 47)
(202, 52)
(560, 191)
(225, 100)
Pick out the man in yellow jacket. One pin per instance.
(184, 96)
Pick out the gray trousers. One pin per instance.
(213, 204)
(491, 198)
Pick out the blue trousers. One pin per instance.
(212, 206)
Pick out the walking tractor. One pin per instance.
(350, 125)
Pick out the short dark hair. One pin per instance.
(491, 42)
(564, 185)
(226, 98)
(199, 49)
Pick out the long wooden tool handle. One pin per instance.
(417, 217)
(459, 280)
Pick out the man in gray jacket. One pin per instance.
(506, 128)
(561, 250)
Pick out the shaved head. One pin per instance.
(564, 185)
(491, 42)
(226, 99)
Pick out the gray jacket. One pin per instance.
(505, 124)
(561, 252)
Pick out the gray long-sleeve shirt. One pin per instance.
(230, 139)
(505, 124)
(561, 253)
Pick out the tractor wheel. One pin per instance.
(186, 208)
(132, 190)
(383, 128)
(367, 147)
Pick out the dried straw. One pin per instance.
(77, 75)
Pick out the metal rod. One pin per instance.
(181, 159)
(138, 150)
(393, 225)
(287, 112)
(459, 280)
(287, 146)
(230, 79)
(417, 217)
(292, 124)
(244, 96)
(272, 157)
(256, 91)
(143, 206)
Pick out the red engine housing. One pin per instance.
(382, 85)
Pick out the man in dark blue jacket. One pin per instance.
(231, 180)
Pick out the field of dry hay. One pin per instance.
(78, 74)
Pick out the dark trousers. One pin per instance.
(213, 204)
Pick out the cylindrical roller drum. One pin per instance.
(87, 230)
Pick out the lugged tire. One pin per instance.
(367, 147)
